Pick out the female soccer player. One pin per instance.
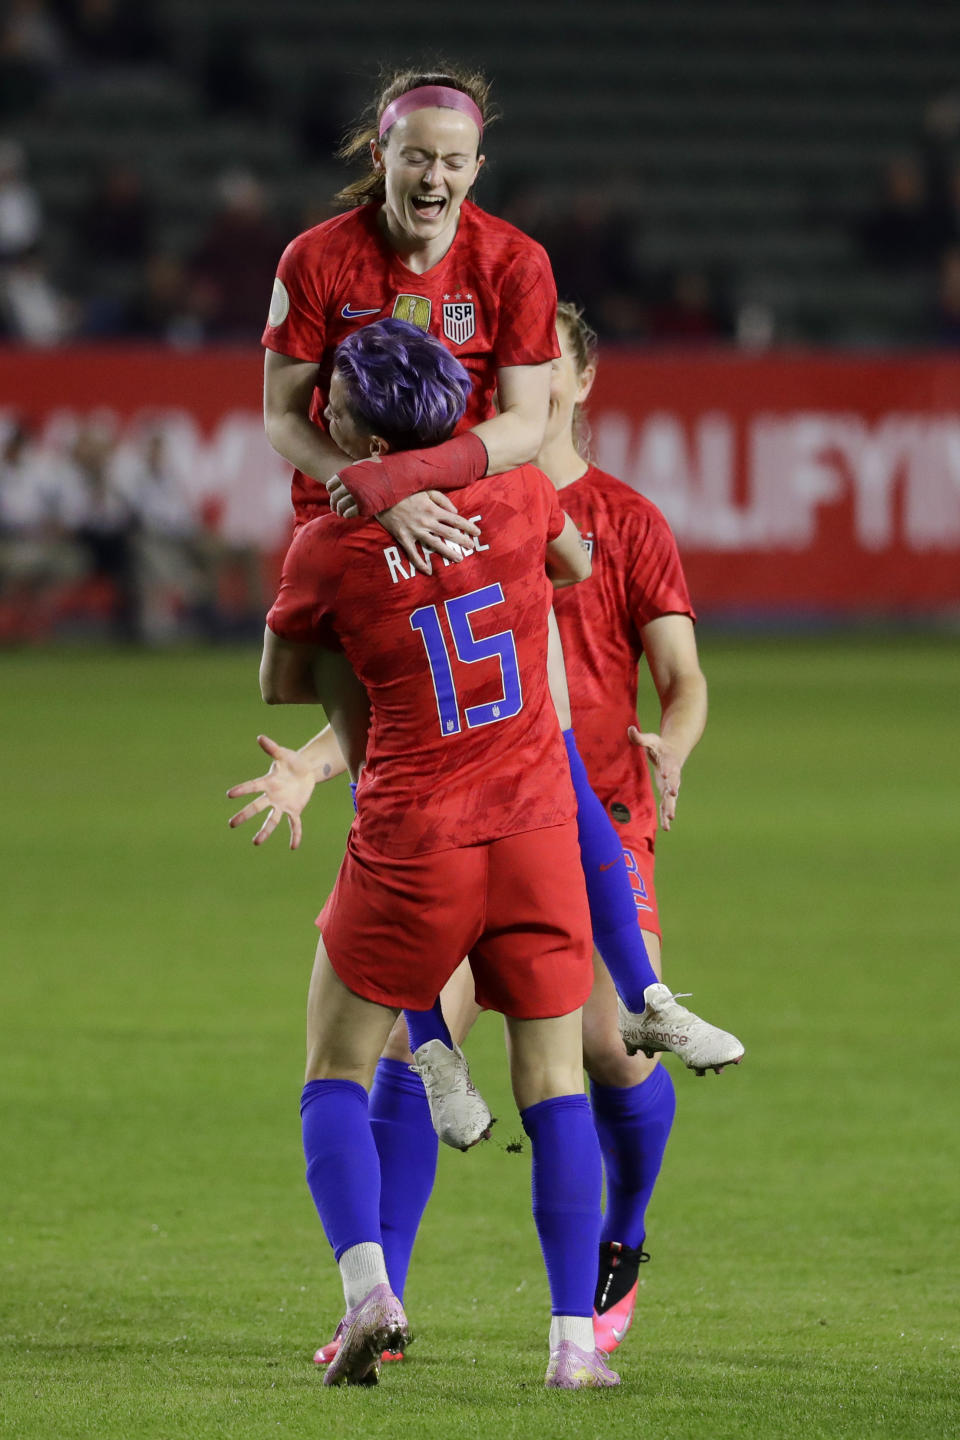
(417, 248)
(635, 604)
(455, 669)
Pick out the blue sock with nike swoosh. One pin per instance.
(633, 1126)
(613, 909)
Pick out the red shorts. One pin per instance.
(396, 929)
(638, 853)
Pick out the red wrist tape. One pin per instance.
(449, 466)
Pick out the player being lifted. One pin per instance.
(483, 859)
(415, 246)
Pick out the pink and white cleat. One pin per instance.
(376, 1324)
(571, 1368)
(616, 1297)
(328, 1352)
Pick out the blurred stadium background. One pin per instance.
(758, 205)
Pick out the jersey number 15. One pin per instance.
(468, 649)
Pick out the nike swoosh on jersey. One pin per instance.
(610, 863)
(349, 313)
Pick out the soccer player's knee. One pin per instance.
(609, 1064)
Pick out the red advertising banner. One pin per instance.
(795, 484)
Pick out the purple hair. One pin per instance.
(402, 383)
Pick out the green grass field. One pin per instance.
(163, 1272)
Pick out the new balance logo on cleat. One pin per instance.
(667, 1026)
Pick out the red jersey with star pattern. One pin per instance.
(491, 300)
(637, 577)
(464, 744)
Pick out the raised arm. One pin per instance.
(509, 439)
(670, 646)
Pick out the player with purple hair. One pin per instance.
(450, 684)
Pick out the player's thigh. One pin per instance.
(546, 1058)
(345, 1033)
(532, 960)
(604, 1056)
(460, 1011)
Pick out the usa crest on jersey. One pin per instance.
(415, 309)
(459, 320)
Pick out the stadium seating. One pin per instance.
(743, 138)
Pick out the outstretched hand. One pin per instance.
(286, 788)
(666, 771)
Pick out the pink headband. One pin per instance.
(425, 98)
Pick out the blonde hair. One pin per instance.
(583, 340)
(371, 187)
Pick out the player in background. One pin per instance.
(417, 247)
(635, 604)
(482, 860)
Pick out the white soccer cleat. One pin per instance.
(668, 1026)
(459, 1112)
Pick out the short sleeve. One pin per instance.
(543, 493)
(527, 333)
(556, 519)
(655, 582)
(297, 322)
(302, 610)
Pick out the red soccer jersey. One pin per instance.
(636, 578)
(491, 300)
(464, 744)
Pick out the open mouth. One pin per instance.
(430, 207)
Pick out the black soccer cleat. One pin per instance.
(616, 1295)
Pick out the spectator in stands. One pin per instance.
(32, 309)
(591, 242)
(947, 319)
(21, 221)
(174, 558)
(690, 312)
(37, 552)
(112, 32)
(32, 52)
(105, 525)
(167, 307)
(112, 233)
(904, 230)
(237, 259)
(115, 222)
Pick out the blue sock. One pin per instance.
(407, 1145)
(424, 1025)
(567, 1179)
(633, 1126)
(343, 1171)
(613, 910)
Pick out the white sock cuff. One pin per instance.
(578, 1328)
(361, 1268)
